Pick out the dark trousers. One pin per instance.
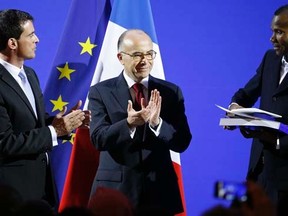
(282, 204)
(278, 197)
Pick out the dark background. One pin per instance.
(210, 48)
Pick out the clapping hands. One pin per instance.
(75, 118)
(149, 113)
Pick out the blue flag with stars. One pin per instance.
(73, 69)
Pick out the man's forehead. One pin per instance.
(281, 20)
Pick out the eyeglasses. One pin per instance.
(137, 56)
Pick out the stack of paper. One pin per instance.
(251, 117)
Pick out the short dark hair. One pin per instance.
(11, 22)
(282, 9)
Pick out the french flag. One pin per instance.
(125, 14)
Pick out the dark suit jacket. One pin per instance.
(273, 98)
(141, 168)
(24, 139)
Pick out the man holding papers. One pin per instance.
(269, 152)
(252, 118)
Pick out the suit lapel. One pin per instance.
(152, 84)
(8, 78)
(283, 85)
(121, 93)
(277, 67)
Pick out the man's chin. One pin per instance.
(30, 57)
(279, 52)
(143, 73)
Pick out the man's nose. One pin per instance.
(272, 38)
(36, 39)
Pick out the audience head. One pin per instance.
(220, 210)
(35, 208)
(10, 200)
(107, 202)
(76, 211)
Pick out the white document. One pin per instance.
(244, 122)
(244, 117)
(248, 112)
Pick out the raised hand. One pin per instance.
(135, 118)
(87, 120)
(154, 108)
(87, 115)
(65, 124)
(259, 204)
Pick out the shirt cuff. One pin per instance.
(156, 130)
(53, 135)
(132, 132)
(278, 143)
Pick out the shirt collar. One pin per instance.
(12, 69)
(284, 62)
(131, 82)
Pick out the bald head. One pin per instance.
(129, 37)
(136, 54)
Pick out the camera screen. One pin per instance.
(231, 191)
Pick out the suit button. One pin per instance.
(274, 98)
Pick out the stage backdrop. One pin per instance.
(209, 48)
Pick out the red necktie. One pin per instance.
(138, 88)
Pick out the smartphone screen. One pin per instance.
(231, 191)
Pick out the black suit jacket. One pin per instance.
(273, 98)
(140, 167)
(24, 139)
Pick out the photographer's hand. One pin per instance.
(260, 204)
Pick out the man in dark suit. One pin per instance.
(135, 142)
(26, 132)
(269, 152)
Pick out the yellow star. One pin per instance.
(71, 139)
(58, 104)
(65, 71)
(87, 46)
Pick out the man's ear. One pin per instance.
(12, 43)
(120, 58)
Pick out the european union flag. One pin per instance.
(73, 69)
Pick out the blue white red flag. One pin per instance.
(131, 14)
(126, 14)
